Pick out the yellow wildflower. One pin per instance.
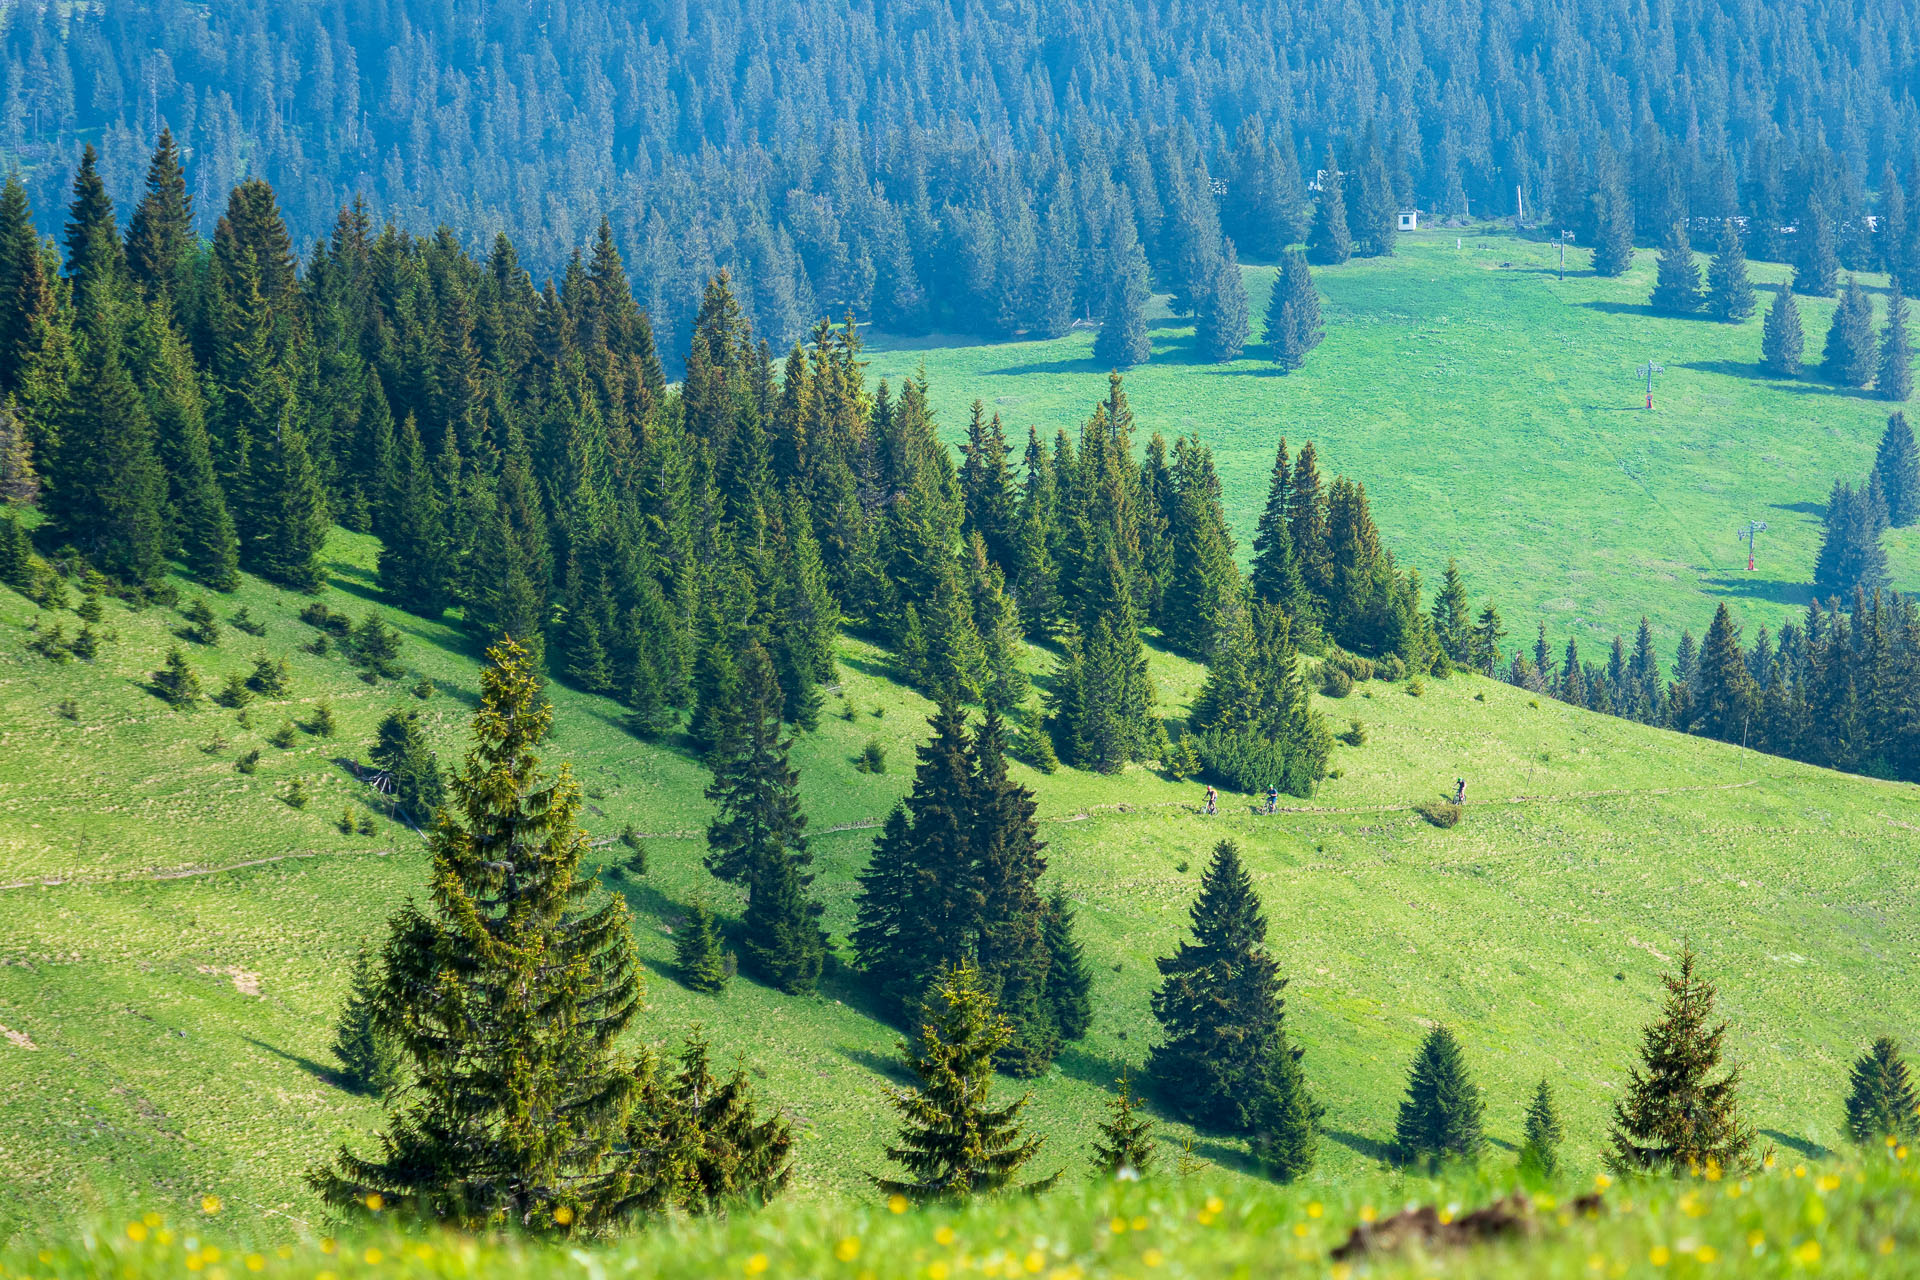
(209, 1204)
(563, 1215)
(936, 1270)
(1139, 1223)
(1315, 1209)
(372, 1257)
(256, 1263)
(136, 1231)
(1118, 1226)
(944, 1235)
(848, 1249)
(756, 1264)
(1153, 1257)
(897, 1204)
(1807, 1254)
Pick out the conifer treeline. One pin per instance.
(520, 456)
(1839, 688)
(909, 177)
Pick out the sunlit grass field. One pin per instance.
(174, 936)
(1494, 413)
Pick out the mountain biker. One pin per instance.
(1212, 797)
(1273, 797)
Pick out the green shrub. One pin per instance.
(1248, 763)
(872, 757)
(1441, 813)
(1415, 688)
(1335, 682)
(1356, 734)
(270, 678)
(248, 762)
(283, 737)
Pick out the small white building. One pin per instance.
(1409, 219)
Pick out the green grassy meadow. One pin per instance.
(174, 937)
(1493, 413)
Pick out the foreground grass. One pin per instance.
(1782, 1221)
(1493, 413)
(175, 939)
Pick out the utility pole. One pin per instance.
(1746, 536)
(1647, 371)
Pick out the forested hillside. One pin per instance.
(968, 167)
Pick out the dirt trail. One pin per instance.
(182, 873)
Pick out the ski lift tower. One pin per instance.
(1647, 371)
(1746, 536)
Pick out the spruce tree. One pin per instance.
(1069, 981)
(1676, 285)
(1897, 464)
(1849, 359)
(1275, 577)
(1450, 620)
(1220, 1006)
(1676, 1118)
(1011, 950)
(1125, 1146)
(1487, 635)
(414, 568)
(757, 838)
(1851, 555)
(1440, 1118)
(1782, 343)
(1123, 341)
(1540, 1145)
(1293, 324)
(176, 682)
(402, 753)
(953, 1142)
(1204, 591)
(1286, 1122)
(105, 492)
(160, 235)
(1729, 292)
(507, 993)
(703, 1147)
(696, 950)
(1220, 325)
(1815, 266)
(370, 1058)
(1895, 380)
(1881, 1104)
(1612, 219)
(208, 541)
(1330, 242)
(1724, 698)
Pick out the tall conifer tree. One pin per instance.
(1330, 242)
(1895, 380)
(1782, 342)
(1676, 1118)
(1220, 1006)
(953, 1142)
(1729, 292)
(1440, 1118)
(507, 967)
(1897, 463)
(1881, 1103)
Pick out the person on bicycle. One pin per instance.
(1212, 796)
(1273, 797)
(1459, 790)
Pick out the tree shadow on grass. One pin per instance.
(1756, 371)
(325, 1075)
(1742, 587)
(1626, 309)
(1097, 1069)
(1824, 389)
(878, 668)
(1806, 1148)
(880, 1064)
(1815, 509)
(1235, 1158)
(1371, 1148)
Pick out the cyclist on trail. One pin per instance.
(1212, 796)
(1459, 790)
(1273, 797)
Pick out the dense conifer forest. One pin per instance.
(969, 168)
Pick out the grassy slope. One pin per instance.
(1787, 1220)
(1536, 928)
(1494, 415)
